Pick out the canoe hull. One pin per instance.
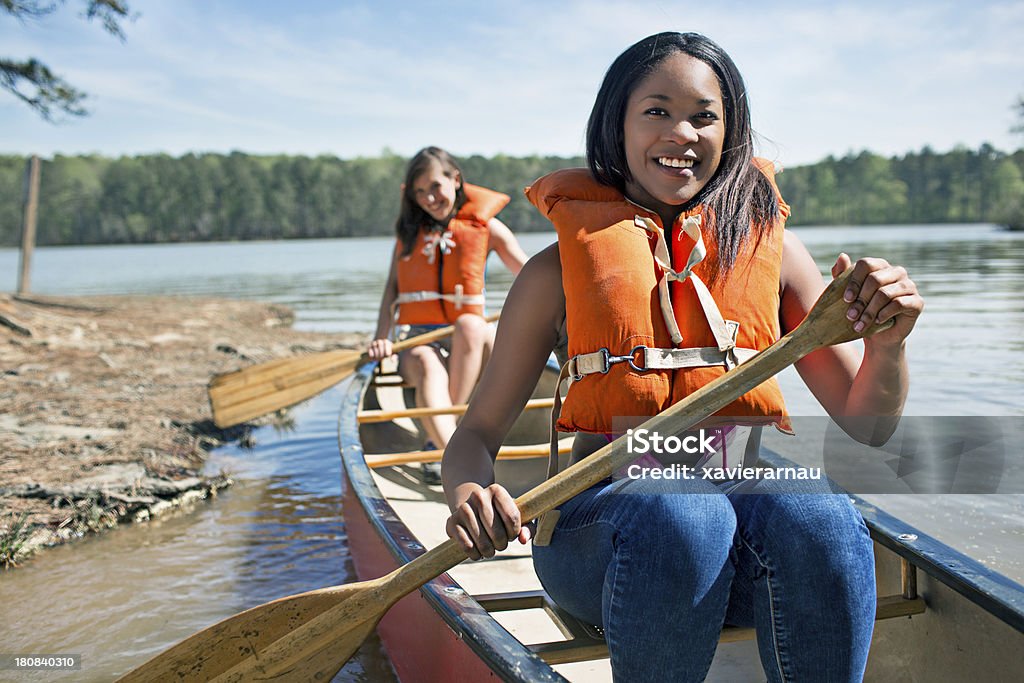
(420, 645)
(439, 629)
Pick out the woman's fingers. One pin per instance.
(460, 536)
(486, 522)
(884, 295)
(479, 542)
(867, 278)
(878, 291)
(507, 514)
(842, 263)
(909, 306)
(379, 349)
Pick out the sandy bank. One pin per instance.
(103, 409)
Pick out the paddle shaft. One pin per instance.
(375, 460)
(371, 416)
(433, 335)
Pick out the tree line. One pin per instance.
(204, 197)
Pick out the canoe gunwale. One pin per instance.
(502, 652)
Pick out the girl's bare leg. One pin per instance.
(471, 342)
(423, 368)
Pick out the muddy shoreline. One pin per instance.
(103, 411)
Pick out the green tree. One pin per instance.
(51, 92)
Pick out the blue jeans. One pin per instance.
(660, 565)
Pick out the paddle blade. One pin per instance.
(238, 647)
(254, 391)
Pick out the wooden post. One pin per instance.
(28, 229)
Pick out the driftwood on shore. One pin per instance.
(103, 409)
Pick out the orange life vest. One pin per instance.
(612, 272)
(443, 277)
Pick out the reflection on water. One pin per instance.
(122, 597)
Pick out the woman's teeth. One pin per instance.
(675, 163)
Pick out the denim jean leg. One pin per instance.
(649, 561)
(805, 578)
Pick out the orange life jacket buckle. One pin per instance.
(607, 359)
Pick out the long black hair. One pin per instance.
(740, 198)
(411, 217)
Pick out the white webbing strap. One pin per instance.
(643, 358)
(457, 297)
(691, 226)
(707, 356)
(437, 241)
(546, 522)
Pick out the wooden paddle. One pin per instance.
(310, 636)
(260, 389)
(371, 416)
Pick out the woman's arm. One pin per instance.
(380, 345)
(872, 387)
(484, 515)
(505, 244)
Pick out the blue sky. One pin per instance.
(353, 78)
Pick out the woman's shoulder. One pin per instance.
(545, 263)
(540, 281)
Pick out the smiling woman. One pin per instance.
(446, 229)
(672, 267)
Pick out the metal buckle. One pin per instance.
(632, 355)
(609, 360)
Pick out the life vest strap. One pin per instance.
(600, 361)
(457, 297)
(642, 358)
(546, 522)
(437, 241)
(691, 227)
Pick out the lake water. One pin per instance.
(122, 597)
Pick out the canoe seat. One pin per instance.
(585, 642)
(389, 380)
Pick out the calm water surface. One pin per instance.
(123, 597)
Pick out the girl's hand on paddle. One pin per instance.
(486, 521)
(379, 349)
(878, 292)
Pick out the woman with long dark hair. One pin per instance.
(445, 231)
(673, 265)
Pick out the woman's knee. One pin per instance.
(690, 522)
(472, 330)
(418, 363)
(825, 531)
